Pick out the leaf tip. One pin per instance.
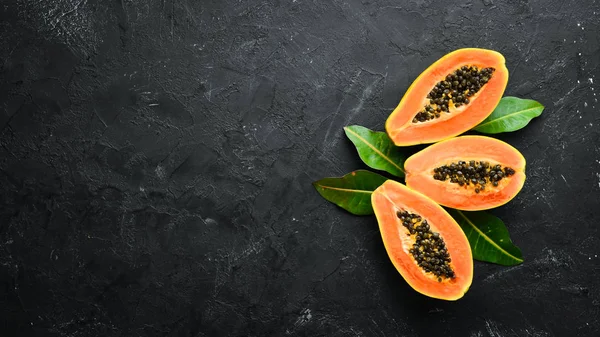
(347, 131)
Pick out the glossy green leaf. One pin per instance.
(511, 114)
(488, 237)
(377, 150)
(351, 192)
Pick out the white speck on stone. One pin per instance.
(142, 189)
(578, 24)
(591, 80)
(305, 317)
(585, 104)
(579, 54)
(160, 171)
(578, 82)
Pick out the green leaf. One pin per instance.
(488, 237)
(377, 150)
(511, 114)
(351, 192)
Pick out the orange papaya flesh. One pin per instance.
(453, 95)
(424, 243)
(467, 173)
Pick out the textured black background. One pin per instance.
(157, 159)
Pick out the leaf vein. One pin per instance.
(506, 116)
(487, 238)
(345, 189)
(376, 150)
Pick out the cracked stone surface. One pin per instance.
(156, 160)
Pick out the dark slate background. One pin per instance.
(156, 160)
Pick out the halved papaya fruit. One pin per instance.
(453, 95)
(425, 244)
(467, 173)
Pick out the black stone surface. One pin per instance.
(156, 160)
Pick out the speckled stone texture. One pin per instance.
(156, 160)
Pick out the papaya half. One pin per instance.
(424, 243)
(453, 95)
(467, 172)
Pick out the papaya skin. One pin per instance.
(404, 132)
(393, 196)
(419, 172)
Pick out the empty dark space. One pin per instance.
(156, 161)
